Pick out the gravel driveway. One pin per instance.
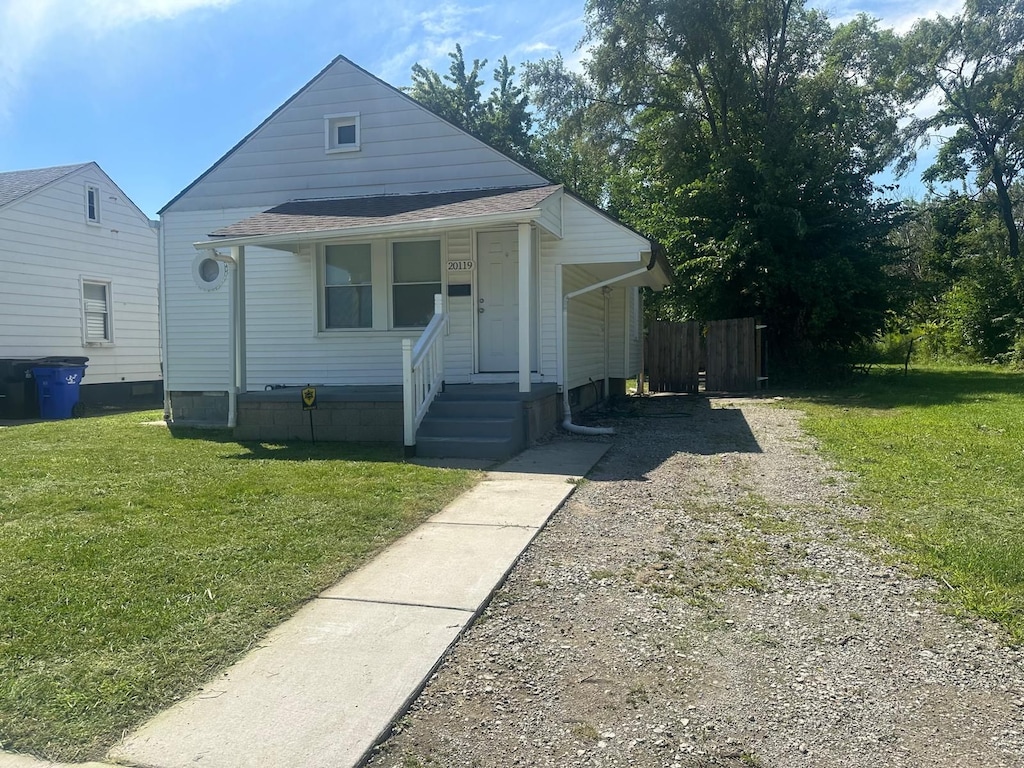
(701, 601)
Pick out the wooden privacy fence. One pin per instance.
(730, 353)
(673, 354)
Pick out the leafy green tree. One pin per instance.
(503, 120)
(575, 131)
(964, 283)
(751, 129)
(975, 61)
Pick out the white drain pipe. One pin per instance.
(567, 424)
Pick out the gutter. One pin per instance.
(529, 215)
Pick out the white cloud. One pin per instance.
(898, 16)
(27, 27)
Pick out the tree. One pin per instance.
(503, 120)
(751, 129)
(976, 62)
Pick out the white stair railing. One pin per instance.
(423, 371)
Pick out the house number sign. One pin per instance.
(460, 266)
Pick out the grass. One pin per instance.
(940, 456)
(135, 564)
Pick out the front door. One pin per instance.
(498, 301)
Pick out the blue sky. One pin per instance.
(156, 91)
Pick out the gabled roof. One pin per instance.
(305, 216)
(17, 184)
(305, 88)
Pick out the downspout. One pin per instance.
(567, 424)
(161, 294)
(606, 294)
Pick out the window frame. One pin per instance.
(108, 312)
(392, 282)
(93, 190)
(332, 123)
(322, 287)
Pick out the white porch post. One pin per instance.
(525, 311)
(236, 331)
(241, 363)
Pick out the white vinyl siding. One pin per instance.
(403, 148)
(283, 341)
(47, 246)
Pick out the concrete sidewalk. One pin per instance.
(324, 687)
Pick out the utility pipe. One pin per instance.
(567, 424)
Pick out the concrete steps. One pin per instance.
(472, 425)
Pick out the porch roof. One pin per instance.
(304, 220)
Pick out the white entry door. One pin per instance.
(498, 301)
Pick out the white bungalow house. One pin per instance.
(360, 244)
(79, 279)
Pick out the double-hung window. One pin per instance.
(348, 288)
(415, 278)
(96, 310)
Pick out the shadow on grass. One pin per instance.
(920, 388)
(696, 428)
(292, 450)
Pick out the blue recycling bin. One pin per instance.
(57, 387)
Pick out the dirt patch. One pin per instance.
(701, 601)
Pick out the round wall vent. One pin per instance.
(208, 273)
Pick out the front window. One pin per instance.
(415, 279)
(96, 307)
(348, 289)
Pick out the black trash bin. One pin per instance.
(17, 389)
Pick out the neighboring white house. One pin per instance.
(317, 244)
(79, 271)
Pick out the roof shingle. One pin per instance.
(383, 210)
(15, 184)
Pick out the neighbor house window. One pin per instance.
(415, 278)
(342, 132)
(92, 204)
(96, 308)
(348, 291)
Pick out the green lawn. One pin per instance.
(134, 564)
(940, 457)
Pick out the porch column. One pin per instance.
(238, 254)
(236, 330)
(525, 310)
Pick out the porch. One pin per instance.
(482, 420)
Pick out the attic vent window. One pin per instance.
(92, 204)
(341, 132)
